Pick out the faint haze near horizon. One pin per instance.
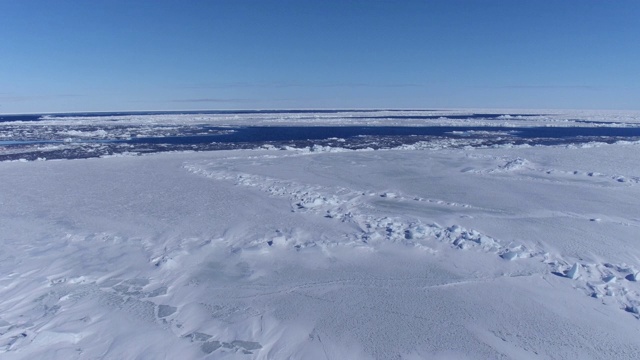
(69, 56)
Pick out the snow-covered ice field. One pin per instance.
(529, 252)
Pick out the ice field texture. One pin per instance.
(471, 245)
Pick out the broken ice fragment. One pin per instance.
(573, 272)
(633, 309)
(458, 242)
(484, 240)
(408, 234)
(509, 255)
(634, 277)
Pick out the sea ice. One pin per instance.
(268, 254)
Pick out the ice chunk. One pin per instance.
(609, 279)
(485, 240)
(634, 276)
(573, 272)
(633, 309)
(509, 255)
(311, 203)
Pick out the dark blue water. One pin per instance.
(27, 117)
(301, 133)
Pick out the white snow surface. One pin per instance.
(416, 253)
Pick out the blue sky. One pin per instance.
(112, 55)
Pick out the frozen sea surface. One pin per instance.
(431, 250)
(66, 136)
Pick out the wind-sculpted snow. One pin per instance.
(347, 205)
(361, 207)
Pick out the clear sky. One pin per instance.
(111, 55)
